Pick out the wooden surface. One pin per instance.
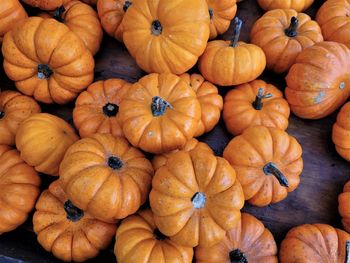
(314, 201)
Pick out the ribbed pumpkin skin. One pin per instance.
(15, 108)
(314, 243)
(68, 240)
(249, 236)
(343, 207)
(19, 184)
(297, 5)
(281, 50)
(341, 132)
(46, 4)
(319, 82)
(136, 242)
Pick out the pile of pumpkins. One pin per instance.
(195, 197)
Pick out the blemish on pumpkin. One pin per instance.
(150, 134)
(342, 85)
(319, 97)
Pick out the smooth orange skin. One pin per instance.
(183, 38)
(249, 152)
(19, 184)
(175, 184)
(343, 207)
(17, 108)
(297, 5)
(46, 4)
(160, 134)
(95, 187)
(43, 140)
(239, 113)
(68, 240)
(45, 41)
(136, 243)
(224, 65)
(314, 243)
(210, 100)
(249, 236)
(88, 113)
(334, 19)
(280, 49)
(223, 12)
(341, 132)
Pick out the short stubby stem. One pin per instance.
(347, 251)
(211, 13)
(159, 106)
(291, 31)
(2, 114)
(258, 103)
(74, 214)
(237, 26)
(58, 14)
(126, 5)
(271, 168)
(159, 235)
(237, 256)
(198, 200)
(156, 28)
(110, 110)
(44, 71)
(115, 163)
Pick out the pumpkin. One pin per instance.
(111, 13)
(90, 2)
(341, 132)
(47, 60)
(297, 5)
(283, 34)
(344, 211)
(106, 177)
(11, 12)
(249, 241)
(14, 109)
(228, 63)
(221, 13)
(333, 17)
(160, 113)
(96, 109)
(169, 37)
(209, 99)
(315, 243)
(82, 19)
(196, 198)
(46, 4)
(43, 140)
(268, 164)
(319, 82)
(255, 103)
(139, 240)
(68, 232)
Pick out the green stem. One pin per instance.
(291, 31)
(74, 214)
(271, 168)
(347, 251)
(58, 14)
(258, 104)
(238, 26)
(159, 106)
(237, 256)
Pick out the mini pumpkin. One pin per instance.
(46, 4)
(196, 198)
(283, 34)
(297, 5)
(169, 37)
(211, 102)
(106, 177)
(43, 140)
(96, 109)
(228, 63)
(68, 232)
(160, 113)
(255, 103)
(268, 164)
(249, 241)
(344, 209)
(19, 184)
(319, 243)
(139, 240)
(14, 109)
(341, 132)
(47, 60)
(318, 83)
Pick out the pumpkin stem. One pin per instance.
(2, 114)
(110, 110)
(159, 235)
(44, 71)
(271, 168)
(126, 5)
(237, 256)
(211, 13)
(58, 13)
(258, 104)
(156, 28)
(159, 106)
(198, 200)
(115, 163)
(238, 26)
(291, 31)
(347, 251)
(74, 214)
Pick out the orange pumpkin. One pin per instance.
(341, 132)
(315, 243)
(169, 37)
(47, 60)
(283, 34)
(46, 4)
(68, 232)
(249, 241)
(297, 5)
(96, 109)
(268, 164)
(111, 13)
(255, 103)
(319, 82)
(14, 109)
(209, 99)
(43, 140)
(139, 240)
(159, 113)
(106, 177)
(196, 198)
(19, 184)
(228, 63)
(344, 208)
